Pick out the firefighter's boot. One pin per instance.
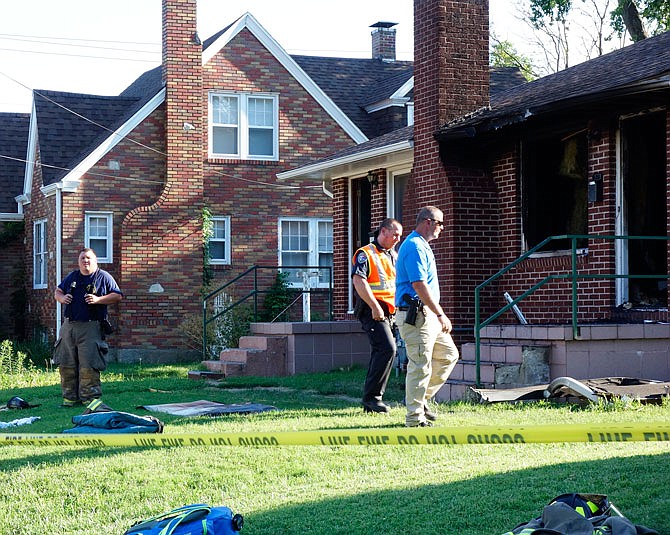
(69, 385)
(89, 385)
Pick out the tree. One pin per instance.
(503, 54)
(634, 16)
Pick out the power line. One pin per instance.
(46, 42)
(76, 55)
(153, 43)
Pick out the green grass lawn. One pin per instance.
(465, 489)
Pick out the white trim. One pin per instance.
(387, 103)
(108, 257)
(11, 216)
(42, 223)
(248, 21)
(226, 260)
(242, 125)
(348, 163)
(405, 88)
(313, 244)
(30, 159)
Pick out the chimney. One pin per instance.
(383, 41)
(451, 59)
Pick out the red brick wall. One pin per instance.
(248, 191)
(341, 262)
(451, 79)
(11, 268)
(41, 313)
(162, 242)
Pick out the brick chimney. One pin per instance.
(162, 251)
(383, 41)
(451, 79)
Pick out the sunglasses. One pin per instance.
(439, 223)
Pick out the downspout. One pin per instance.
(59, 268)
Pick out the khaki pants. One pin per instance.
(432, 355)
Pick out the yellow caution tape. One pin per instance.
(437, 436)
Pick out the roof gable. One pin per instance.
(214, 44)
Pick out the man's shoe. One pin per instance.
(425, 423)
(68, 403)
(375, 406)
(430, 415)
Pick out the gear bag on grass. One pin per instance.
(196, 519)
(580, 514)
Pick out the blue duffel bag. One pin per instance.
(196, 519)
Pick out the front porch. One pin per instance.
(519, 355)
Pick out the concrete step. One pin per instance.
(237, 355)
(198, 375)
(226, 369)
(264, 342)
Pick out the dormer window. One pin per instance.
(244, 126)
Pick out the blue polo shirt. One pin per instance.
(99, 283)
(416, 262)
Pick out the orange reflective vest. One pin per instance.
(381, 277)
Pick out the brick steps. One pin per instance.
(259, 355)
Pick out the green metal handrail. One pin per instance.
(255, 292)
(574, 276)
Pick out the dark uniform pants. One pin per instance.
(80, 356)
(382, 355)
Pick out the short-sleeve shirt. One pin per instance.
(416, 262)
(99, 283)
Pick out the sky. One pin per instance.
(101, 46)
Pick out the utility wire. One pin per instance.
(147, 181)
(77, 55)
(153, 43)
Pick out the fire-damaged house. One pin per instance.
(554, 257)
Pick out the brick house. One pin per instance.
(130, 175)
(583, 151)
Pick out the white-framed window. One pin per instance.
(98, 235)
(219, 243)
(306, 243)
(244, 126)
(40, 254)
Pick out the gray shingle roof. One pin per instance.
(65, 137)
(354, 83)
(14, 144)
(639, 63)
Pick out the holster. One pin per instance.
(413, 308)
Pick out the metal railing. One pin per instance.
(574, 276)
(255, 290)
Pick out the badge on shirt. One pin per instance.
(362, 258)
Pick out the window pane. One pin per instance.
(99, 246)
(295, 236)
(325, 236)
(97, 227)
(219, 229)
(224, 140)
(260, 142)
(224, 110)
(217, 250)
(260, 112)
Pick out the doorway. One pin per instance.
(642, 211)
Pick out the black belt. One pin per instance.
(402, 308)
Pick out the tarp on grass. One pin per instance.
(207, 408)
